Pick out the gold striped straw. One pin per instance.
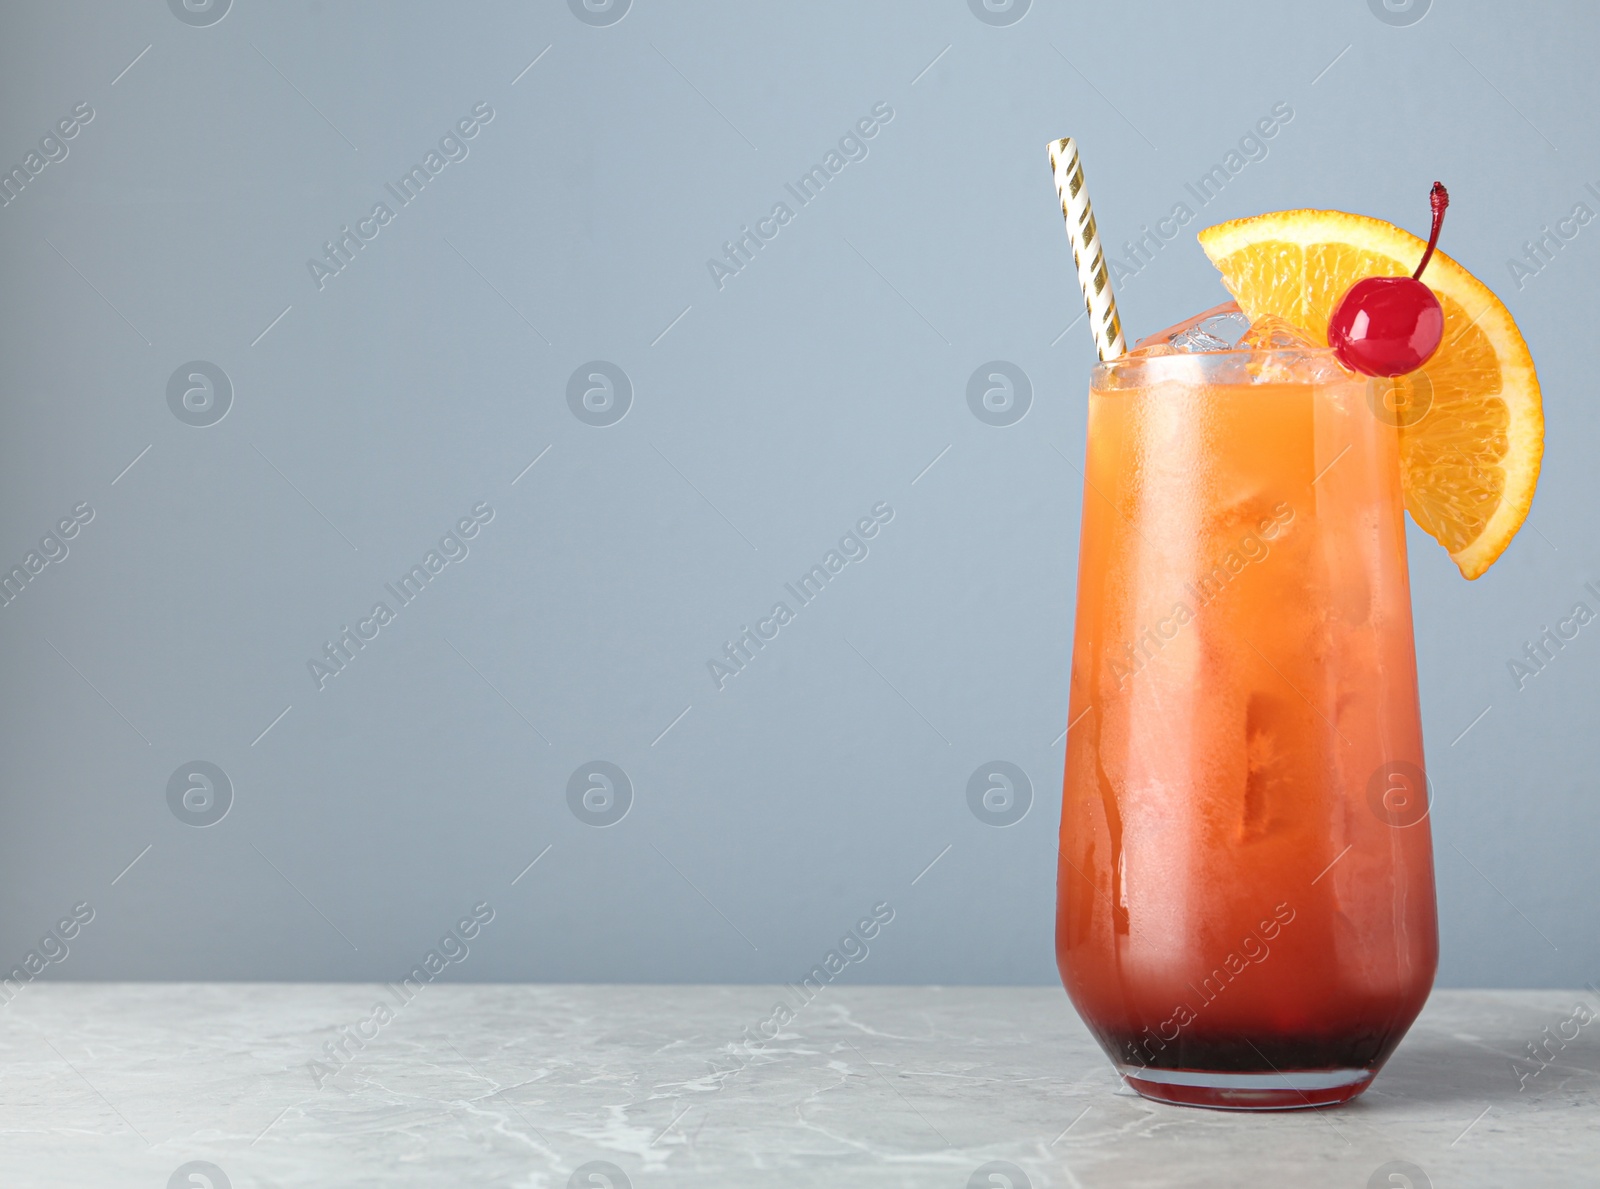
(1086, 251)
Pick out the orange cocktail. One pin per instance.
(1246, 903)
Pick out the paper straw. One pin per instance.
(1086, 251)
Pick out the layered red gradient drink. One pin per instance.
(1246, 907)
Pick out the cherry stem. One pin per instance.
(1439, 197)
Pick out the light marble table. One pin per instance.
(126, 1084)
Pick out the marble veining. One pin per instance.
(607, 1087)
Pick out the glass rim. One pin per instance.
(1187, 364)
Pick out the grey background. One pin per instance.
(767, 418)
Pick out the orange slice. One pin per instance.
(1470, 459)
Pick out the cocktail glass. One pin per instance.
(1245, 914)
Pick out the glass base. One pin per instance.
(1284, 1090)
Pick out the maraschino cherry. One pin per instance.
(1388, 326)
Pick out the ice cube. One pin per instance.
(1272, 333)
(1283, 353)
(1217, 329)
